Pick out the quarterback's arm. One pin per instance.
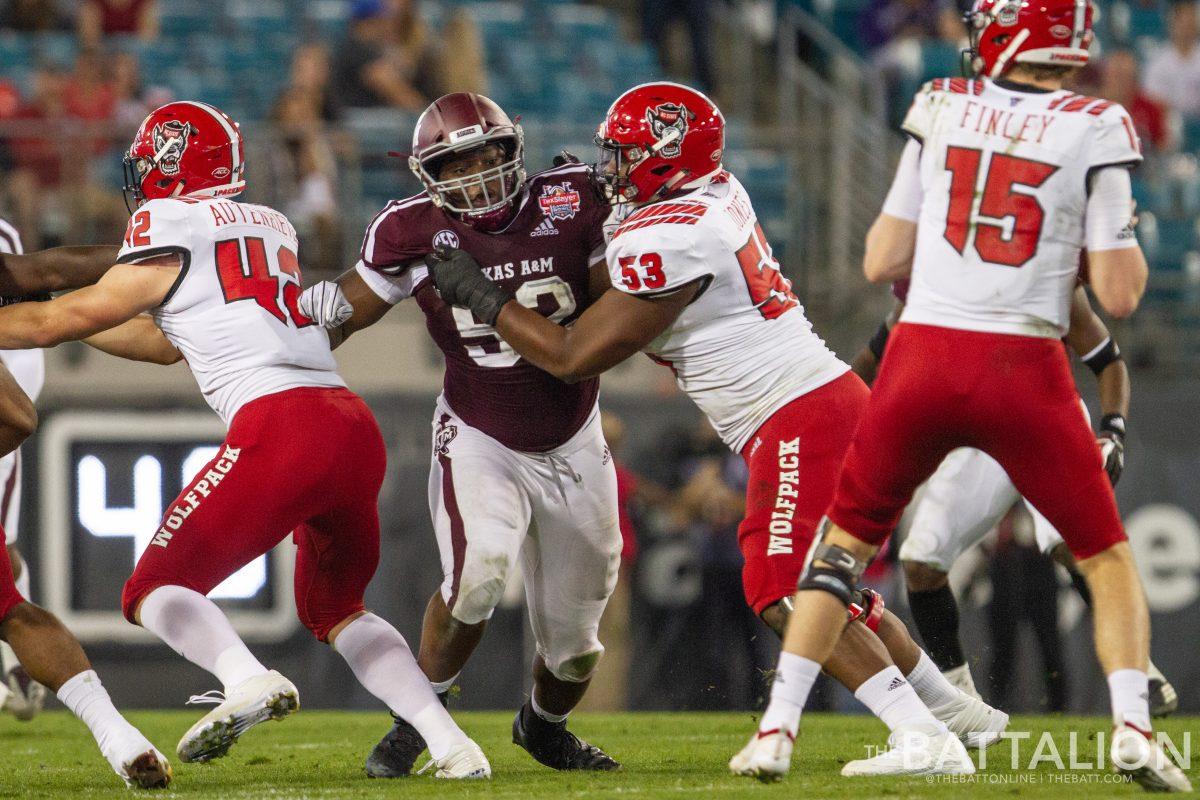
(139, 339)
(893, 237)
(612, 329)
(1116, 265)
(125, 291)
(1091, 341)
(54, 270)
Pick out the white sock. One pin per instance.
(23, 581)
(892, 699)
(794, 679)
(543, 713)
(196, 628)
(384, 665)
(88, 699)
(440, 687)
(931, 685)
(1129, 692)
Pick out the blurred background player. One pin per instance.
(970, 493)
(20, 695)
(696, 287)
(975, 361)
(221, 279)
(519, 467)
(38, 651)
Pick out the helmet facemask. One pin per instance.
(613, 169)
(494, 187)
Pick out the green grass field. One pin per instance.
(319, 754)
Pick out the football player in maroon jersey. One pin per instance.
(519, 467)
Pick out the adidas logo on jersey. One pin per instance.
(544, 228)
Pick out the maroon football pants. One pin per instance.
(1013, 397)
(306, 460)
(794, 461)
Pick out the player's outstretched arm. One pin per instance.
(613, 328)
(125, 291)
(54, 270)
(139, 339)
(343, 306)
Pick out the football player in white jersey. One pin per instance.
(695, 286)
(1015, 175)
(303, 454)
(970, 493)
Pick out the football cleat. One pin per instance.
(551, 744)
(916, 753)
(960, 678)
(767, 756)
(1163, 699)
(253, 701)
(1135, 754)
(973, 721)
(396, 752)
(465, 761)
(147, 770)
(20, 695)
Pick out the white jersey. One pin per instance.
(28, 367)
(743, 348)
(233, 311)
(1005, 177)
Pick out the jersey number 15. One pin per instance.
(1008, 222)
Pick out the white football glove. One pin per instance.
(325, 304)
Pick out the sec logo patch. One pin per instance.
(446, 238)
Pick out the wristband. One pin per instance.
(1114, 424)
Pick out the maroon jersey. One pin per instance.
(543, 258)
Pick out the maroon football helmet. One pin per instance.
(656, 139)
(455, 124)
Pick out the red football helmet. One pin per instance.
(455, 124)
(184, 148)
(1007, 32)
(656, 139)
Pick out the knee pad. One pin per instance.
(478, 597)
(575, 669)
(837, 573)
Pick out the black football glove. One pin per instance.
(461, 282)
(563, 158)
(1112, 445)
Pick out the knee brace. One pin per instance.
(868, 610)
(576, 669)
(838, 573)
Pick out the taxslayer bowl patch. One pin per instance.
(559, 201)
